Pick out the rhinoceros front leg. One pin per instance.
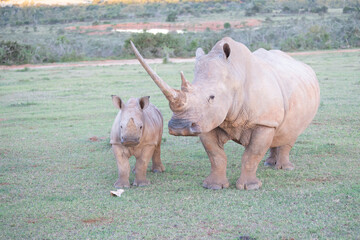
(213, 143)
(123, 165)
(141, 164)
(260, 142)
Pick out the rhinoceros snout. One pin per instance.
(128, 142)
(182, 127)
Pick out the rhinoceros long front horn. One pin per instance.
(175, 97)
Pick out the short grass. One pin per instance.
(55, 181)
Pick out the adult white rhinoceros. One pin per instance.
(260, 100)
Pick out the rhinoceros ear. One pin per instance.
(199, 52)
(144, 102)
(226, 49)
(118, 103)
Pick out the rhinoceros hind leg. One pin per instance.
(272, 159)
(157, 166)
(283, 161)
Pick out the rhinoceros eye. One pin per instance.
(211, 98)
(140, 127)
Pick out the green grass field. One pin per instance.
(55, 181)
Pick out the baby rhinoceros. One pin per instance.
(136, 131)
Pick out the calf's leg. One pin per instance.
(157, 165)
(123, 165)
(141, 166)
(260, 141)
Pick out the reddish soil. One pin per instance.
(97, 220)
(95, 138)
(190, 27)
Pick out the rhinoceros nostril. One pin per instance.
(194, 128)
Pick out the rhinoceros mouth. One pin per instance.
(130, 144)
(182, 127)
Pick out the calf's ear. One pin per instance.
(144, 102)
(118, 103)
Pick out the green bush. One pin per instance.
(171, 17)
(12, 52)
(322, 9)
(153, 45)
(348, 9)
(227, 25)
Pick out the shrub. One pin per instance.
(320, 10)
(227, 25)
(171, 17)
(15, 53)
(154, 45)
(348, 9)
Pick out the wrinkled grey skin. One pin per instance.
(136, 131)
(260, 100)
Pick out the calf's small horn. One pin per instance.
(170, 93)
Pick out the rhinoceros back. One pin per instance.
(300, 90)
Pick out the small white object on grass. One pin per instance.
(117, 193)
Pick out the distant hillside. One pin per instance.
(28, 3)
(31, 3)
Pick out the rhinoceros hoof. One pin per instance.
(141, 183)
(270, 162)
(122, 183)
(285, 166)
(158, 169)
(249, 185)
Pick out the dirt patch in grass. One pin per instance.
(96, 139)
(319, 179)
(33, 221)
(100, 220)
